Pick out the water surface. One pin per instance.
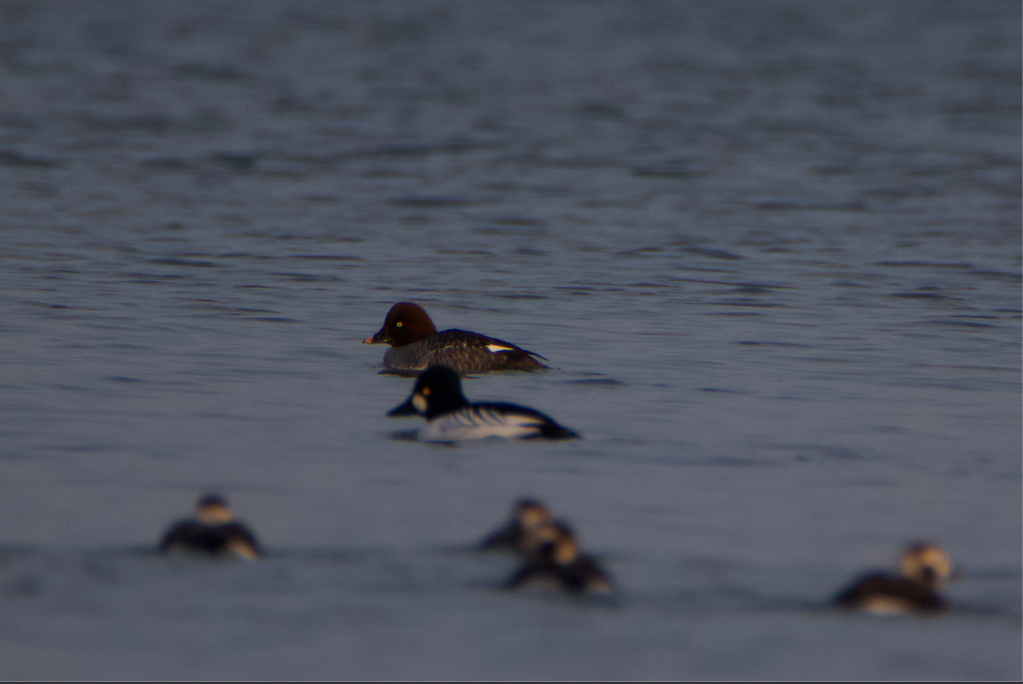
(771, 249)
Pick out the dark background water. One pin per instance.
(771, 248)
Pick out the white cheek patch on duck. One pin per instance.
(532, 518)
(214, 515)
(419, 402)
(476, 423)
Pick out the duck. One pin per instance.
(558, 561)
(416, 345)
(923, 567)
(437, 397)
(519, 534)
(214, 532)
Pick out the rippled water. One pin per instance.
(771, 249)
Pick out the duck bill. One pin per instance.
(379, 338)
(416, 405)
(406, 409)
(504, 537)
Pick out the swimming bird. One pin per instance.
(922, 569)
(214, 531)
(437, 396)
(519, 534)
(558, 561)
(416, 344)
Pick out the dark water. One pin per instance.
(771, 248)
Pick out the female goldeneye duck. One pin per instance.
(519, 534)
(558, 561)
(437, 396)
(922, 569)
(416, 344)
(214, 532)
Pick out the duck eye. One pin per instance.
(426, 391)
(398, 324)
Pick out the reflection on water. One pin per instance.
(770, 250)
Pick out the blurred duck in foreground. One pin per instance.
(416, 344)
(922, 570)
(558, 561)
(519, 534)
(437, 396)
(213, 532)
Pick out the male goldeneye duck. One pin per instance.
(519, 534)
(416, 344)
(922, 569)
(214, 532)
(558, 561)
(437, 396)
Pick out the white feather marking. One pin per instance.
(499, 348)
(477, 423)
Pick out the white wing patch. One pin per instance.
(499, 348)
(479, 422)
